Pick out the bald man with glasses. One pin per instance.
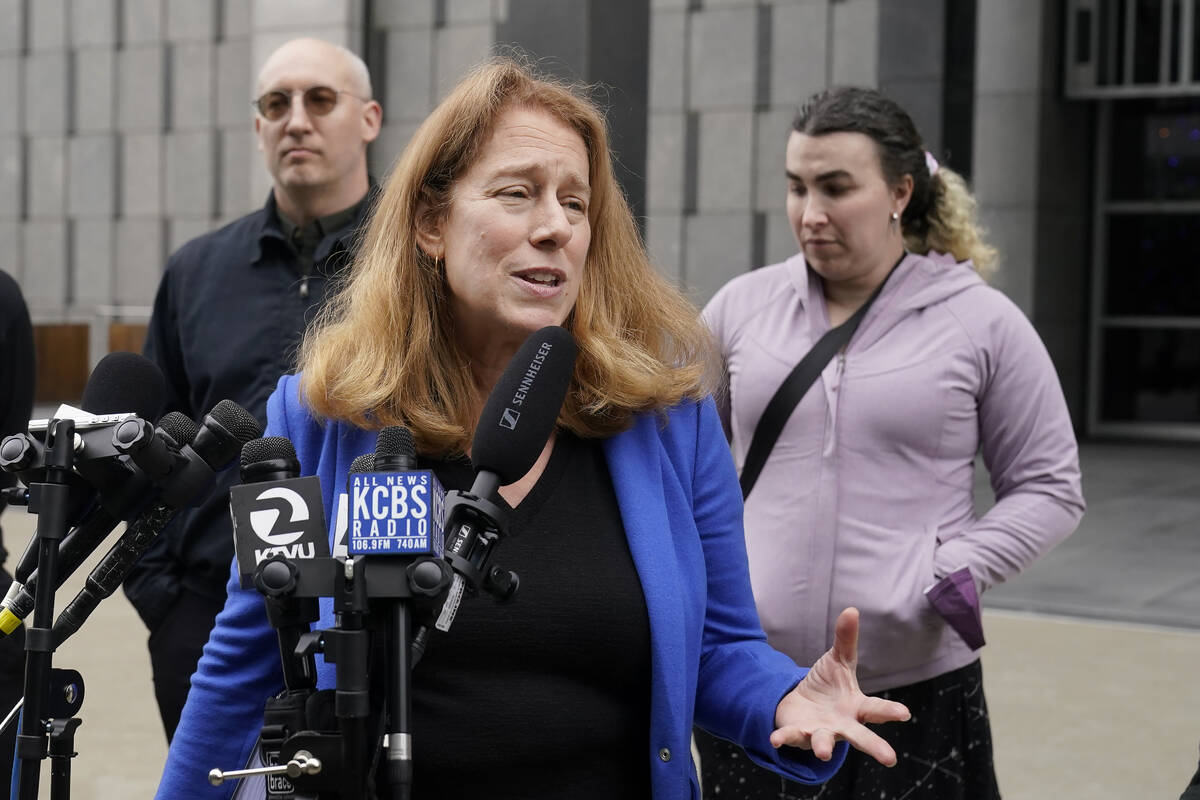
(230, 311)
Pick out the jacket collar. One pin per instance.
(919, 281)
(270, 228)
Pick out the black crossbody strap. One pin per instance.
(794, 386)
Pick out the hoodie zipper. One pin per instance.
(834, 403)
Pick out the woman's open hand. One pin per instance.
(827, 706)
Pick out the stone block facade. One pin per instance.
(130, 127)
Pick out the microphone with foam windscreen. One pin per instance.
(522, 409)
(513, 429)
(121, 387)
(125, 383)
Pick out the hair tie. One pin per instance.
(930, 162)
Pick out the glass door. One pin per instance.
(1145, 343)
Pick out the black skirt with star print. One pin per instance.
(944, 753)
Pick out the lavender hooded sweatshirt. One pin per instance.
(866, 498)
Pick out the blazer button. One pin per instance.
(664, 754)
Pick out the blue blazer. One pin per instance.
(682, 510)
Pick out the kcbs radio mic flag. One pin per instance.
(396, 513)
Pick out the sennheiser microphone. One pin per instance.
(513, 429)
(275, 511)
(522, 410)
(220, 437)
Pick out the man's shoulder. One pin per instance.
(10, 290)
(232, 244)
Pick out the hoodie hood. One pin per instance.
(918, 281)
(932, 278)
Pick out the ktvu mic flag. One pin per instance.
(277, 518)
(396, 513)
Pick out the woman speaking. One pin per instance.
(635, 618)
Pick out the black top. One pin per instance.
(16, 367)
(547, 696)
(227, 321)
(16, 364)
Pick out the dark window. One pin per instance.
(1155, 152)
(1195, 33)
(1153, 265)
(1151, 375)
(1147, 41)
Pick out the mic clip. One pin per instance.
(478, 525)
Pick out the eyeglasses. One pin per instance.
(318, 101)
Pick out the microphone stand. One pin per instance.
(50, 501)
(336, 765)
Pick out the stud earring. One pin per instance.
(895, 216)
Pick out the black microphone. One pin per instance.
(80, 543)
(363, 463)
(174, 430)
(271, 506)
(513, 429)
(220, 437)
(275, 511)
(156, 451)
(395, 508)
(522, 409)
(121, 383)
(395, 450)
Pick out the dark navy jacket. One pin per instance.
(227, 321)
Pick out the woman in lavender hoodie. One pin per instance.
(866, 498)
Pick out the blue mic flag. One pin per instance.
(396, 513)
